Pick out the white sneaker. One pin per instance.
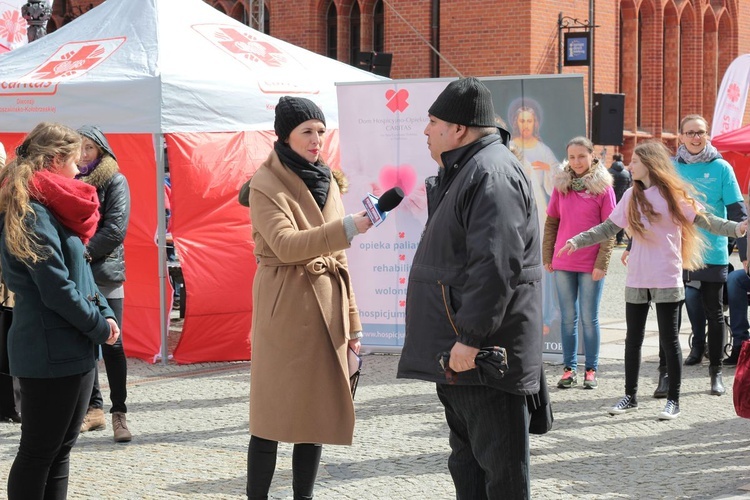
(625, 405)
(671, 410)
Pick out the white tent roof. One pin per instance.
(161, 66)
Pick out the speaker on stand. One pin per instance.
(607, 119)
(378, 63)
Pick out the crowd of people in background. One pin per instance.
(663, 218)
(474, 292)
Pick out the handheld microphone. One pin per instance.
(377, 208)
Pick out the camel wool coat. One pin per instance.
(303, 312)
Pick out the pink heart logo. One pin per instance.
(397, 100)
(403, 176)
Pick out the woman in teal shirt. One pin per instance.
(701, 165)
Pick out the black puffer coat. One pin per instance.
(106, 246)
(621, 179)
(476, 275)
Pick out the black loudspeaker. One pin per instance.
(364, 60)
(607, 119)
(381, 63)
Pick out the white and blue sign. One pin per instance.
(577, 49)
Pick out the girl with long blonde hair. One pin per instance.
(660, 212)
(46, 217)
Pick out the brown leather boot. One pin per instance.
(94, 420)
(120, 426)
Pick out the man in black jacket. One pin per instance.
(621, 181)
(476, 282)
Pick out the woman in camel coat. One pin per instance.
(304, 313)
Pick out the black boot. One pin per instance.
(695, 356)
(734, 357)
(663, 386)
(717, 386)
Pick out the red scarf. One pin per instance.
(74, 203)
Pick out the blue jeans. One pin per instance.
(549, 300)
(738, 285)
(579, 296)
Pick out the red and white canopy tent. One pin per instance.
(13, 26)
(734, 146)
(150, 72)
(730, 138)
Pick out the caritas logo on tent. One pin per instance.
(69, 61)
(12, 25)
(277, 72)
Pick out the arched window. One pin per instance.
(51, 25)
(629, 66)
(266, 20)
(355, 32)
(378, 31)
(332, 37)
(691, 62)
(726, 52)
(639, 77)
(671, 78)
(710, 63)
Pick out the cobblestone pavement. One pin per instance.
(191, 432)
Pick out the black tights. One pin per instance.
(52, 409)
(261, 463)
(669, 340)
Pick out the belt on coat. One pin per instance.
(337, 325)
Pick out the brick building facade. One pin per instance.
(666, 56)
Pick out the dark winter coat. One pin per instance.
(621, 179)
(59, 315)
(106, 246)
(476, 275)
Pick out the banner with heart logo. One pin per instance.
(383, 145)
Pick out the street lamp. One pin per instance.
(36, 13)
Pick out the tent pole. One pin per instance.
(161, 229)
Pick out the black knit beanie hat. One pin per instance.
(291, 111)
(465, 102)
(95, 134)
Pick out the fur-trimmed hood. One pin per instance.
(596, 182)
(103, 172)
